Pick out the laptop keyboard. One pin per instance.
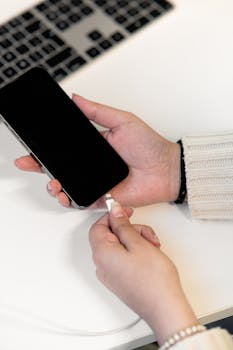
(64, 35)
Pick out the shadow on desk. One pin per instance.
(226, 323)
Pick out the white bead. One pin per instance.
(182, 334)
(171, 341)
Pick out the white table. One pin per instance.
(45, 259)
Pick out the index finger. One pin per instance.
(28, 163)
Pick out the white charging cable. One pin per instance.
(33, 318)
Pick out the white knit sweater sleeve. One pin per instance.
(214, 339)
(209, 175)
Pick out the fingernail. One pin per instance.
(117, 211)
(156, 241)
(49, 188)
(74, 95)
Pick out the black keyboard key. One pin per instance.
(15, 22)
(95, 35)
(33, 27)
(5, 44)
(1, 64)
(121, 19)
(76, 2)
(76, 63)
(52, 15)
(48, 48)
(137, 24)
(3, 30)
(164, 4)
(87, 10)
(111, 10)
(35, 41)
(59, 74)
(22, 49)
(122, 3)
(144, 4)
(57, 40)
(35, 56)
(59, 58)
(101, 2)
(27, 15)
(117, 36)
(62, 25)
(48, 34)
(64, 8)
(93, 52)
(54, 1)
(105, 44)
(155, 13)
(42, 7)
(74, 17)
(9, 56)
(133, 11)
(23, 64)
(9, 72)
(18, 36)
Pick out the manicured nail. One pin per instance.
(117, 211)
(74, 95)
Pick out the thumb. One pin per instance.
(103, 115)
(122, 228)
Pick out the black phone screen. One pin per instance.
(59, 135)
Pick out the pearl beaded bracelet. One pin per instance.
(184, 333)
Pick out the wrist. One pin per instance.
(171, 316)
(175, 173)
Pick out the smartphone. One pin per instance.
(60, 137)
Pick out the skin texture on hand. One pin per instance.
(153, 161)
(140, 274)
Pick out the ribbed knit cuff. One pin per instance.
(209, 175)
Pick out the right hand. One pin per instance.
(153, 161)
(130, 264)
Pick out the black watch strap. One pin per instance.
(183, 189)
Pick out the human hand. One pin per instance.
(153, 161)
(139, 273)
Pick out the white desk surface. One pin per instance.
(177, 74)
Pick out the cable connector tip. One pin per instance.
(109, 200)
